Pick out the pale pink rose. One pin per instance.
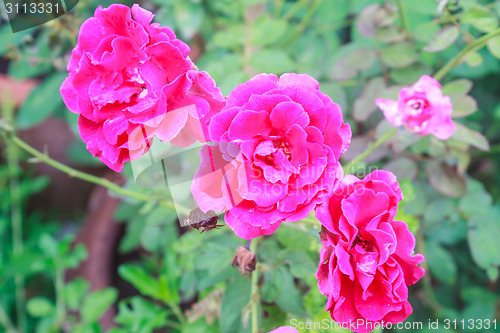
(367, 261)
(285, 329)
(130, 80)
(279, 142)
(422, 109)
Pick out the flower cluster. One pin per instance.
(273, 157)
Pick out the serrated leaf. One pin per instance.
(445, 179)
(481, 18)
(365, 105)
(442, 265)
(459, 87)
(494, 46)
(443, 39)
(463, 105)
(289, 298)
(96, 303)
(399, 55)
(474, 59)
(353, 62)
(467, 135)
(234, 301)
(483, 238)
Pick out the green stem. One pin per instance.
(16, 212)
(294, 9)
(94, 179)
(5, 321)
(404, 19)
(478, 44)
(177, 311)
(255, 295)
(59, 287)
(426, 279)
(370, 149)
(303, 23)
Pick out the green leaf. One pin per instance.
(272, 61)
(352, 62)
(96, 303)
(43, 101)
(267, 31)
(403, 168)
(290, 298)
(188, 17)
(494, 46)
(410, 74)
(458, 87)
(399, 55)
(467, 135)
(481, 18)
(483, 238)
(474, 59)
(234, 301)
(232, 37)
(365, 105)
(140, 315)
(74, 292)
(443, 39)
(141, 280)
(441, 263)
(463, 105)
(445, 179)
(39, 307)
(301, 264)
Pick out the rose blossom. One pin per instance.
(285, 329)
(367, 261)
(421, 108)
(130, 80)
(279, 145)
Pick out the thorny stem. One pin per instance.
(94, 179)
(370, 149)
(255, 294)
(478, 44)
(16, 212)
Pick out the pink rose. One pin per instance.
(421, 109)
(285, 329)
(279, 145)
(367, 261)
(130, 80)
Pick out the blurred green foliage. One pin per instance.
(358, 50)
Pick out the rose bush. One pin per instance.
(281, 140)
(366, 261)
(130, 80)
(421, 108)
